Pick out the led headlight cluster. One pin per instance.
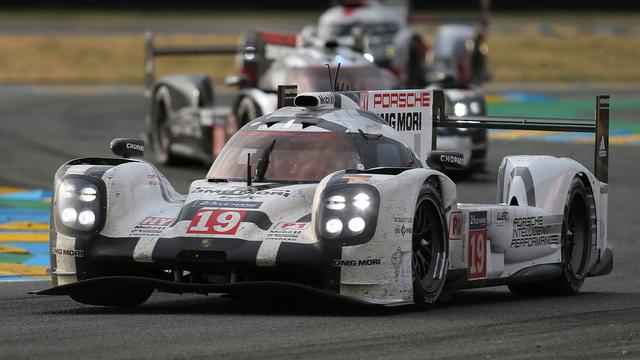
(78, 204)
(462, 109)
(348, 213)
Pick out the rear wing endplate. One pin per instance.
(599, 125)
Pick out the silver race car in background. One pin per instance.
(325, 198)
(185, 120)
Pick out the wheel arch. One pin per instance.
(265, 101)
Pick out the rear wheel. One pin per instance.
(577, 232)
(429, 247)
(116, 297)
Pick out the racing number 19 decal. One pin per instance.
(477, 254)
(223, 222)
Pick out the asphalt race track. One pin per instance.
(39, 130)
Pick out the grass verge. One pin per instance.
(118, 59)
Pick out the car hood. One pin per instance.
(259, 212)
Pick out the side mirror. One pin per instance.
(445, 160)
(127, 148)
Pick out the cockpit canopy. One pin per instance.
(305, 156)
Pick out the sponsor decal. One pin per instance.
(227, 204)
(477, 220)
(326, 98)
(404, 230)
(401, 100)
(286, 95)
(151, 226)
(403, 121)
(500, 217)
(535, 231)
(397, 219)
(219, 222)
(602, 150)
(286, 231)
(352, 263)
(451, 159)
(455, 225)
(231, 193)
(396, 261)
(137, 147)
(477, 253)
(67, 252)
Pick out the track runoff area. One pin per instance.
(24, 213)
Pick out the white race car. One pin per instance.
(325, 198)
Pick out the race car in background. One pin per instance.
(184, 119)
(325, 198)
(381, 30)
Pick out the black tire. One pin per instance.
(430, 248)
(578, 230)
(247, 110)
(161, 138)
(115, 297)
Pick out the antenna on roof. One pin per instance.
(333, 81)
(330, 77)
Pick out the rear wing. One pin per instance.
(599, 126)
(259, 49)
(151, 51)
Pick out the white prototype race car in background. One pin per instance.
(325, 198)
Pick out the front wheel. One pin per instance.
(430, 248)
(247, 111)
(115, 297)
(161, 138)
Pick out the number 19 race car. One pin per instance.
(325, 198)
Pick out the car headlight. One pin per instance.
(348, 213)
(460, 109)
(78, 204)
(475, 107)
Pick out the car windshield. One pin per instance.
(294, 156)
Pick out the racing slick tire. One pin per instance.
(578, 228)
(161, 138)
(115, 297)
(247, 111)
(430, 248)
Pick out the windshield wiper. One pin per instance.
(261, 168)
